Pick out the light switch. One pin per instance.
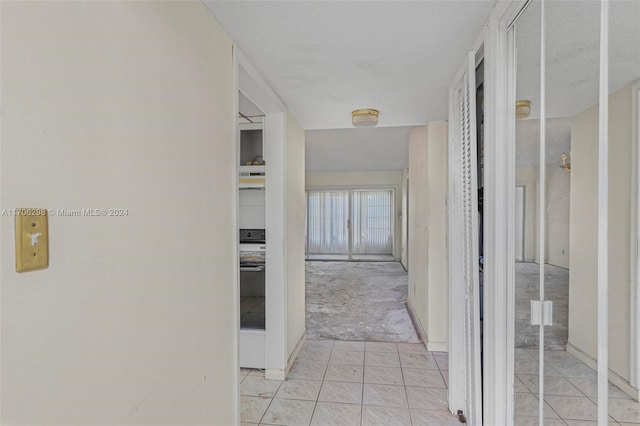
(32, 240)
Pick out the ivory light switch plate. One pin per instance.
(32, 240)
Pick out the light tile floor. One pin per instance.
(352, 383)
(570, 392)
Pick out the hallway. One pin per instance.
(359, 301)
(352, 383)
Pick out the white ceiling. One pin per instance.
(383, 148)
(327, 58)
(572, 53)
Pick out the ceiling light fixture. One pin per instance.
(365, 117)
(523, 109)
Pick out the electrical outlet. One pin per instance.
(32, 240)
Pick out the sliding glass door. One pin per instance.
(350, 224)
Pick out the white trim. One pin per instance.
(235, 216)
(603, 219)
(254, 87)
(635, 240)
(614, 377)
(498, 193)
(275, 272)
(499, 236)
(542, 210)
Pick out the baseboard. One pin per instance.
(437, 347)
(429, 345)
(274, 374)
(614, 377)
(296, 351)
(417, 324)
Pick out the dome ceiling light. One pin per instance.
(365, 117)
(523, 109)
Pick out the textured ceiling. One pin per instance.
(327, 58)
(383, 148)
(573, 53)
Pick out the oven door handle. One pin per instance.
(251, 268)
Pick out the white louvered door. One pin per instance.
(466, 384)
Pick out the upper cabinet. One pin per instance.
(251, 140)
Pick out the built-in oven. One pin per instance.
(252, 254)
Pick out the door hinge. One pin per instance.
(541, 312)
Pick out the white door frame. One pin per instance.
(253, 86)
(635, 242)
(499, 220)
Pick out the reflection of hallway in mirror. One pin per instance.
(556, 290)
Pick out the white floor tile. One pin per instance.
(307, 371)
(347, 358)
(573, 407)
(381, 347)
(552, 385)
(344, 392)
(574, 369)
(418, 360)
(590, 388)
(433, 417)
(318, 344)
(382, 359)
(348, 346)
(412, 348)
(314, 356)
(423, 378)
(526, 404)
(386, 395)
(383, 375)
(289, 412)
(533, 421)
(257, 386)
(299, 389)
(385, 416)
(252, 408)
(624, 410)
(442, 361)
(334, 414)
(344, 373)
(427, 398)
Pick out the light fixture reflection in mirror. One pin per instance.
(566, 162)
(523, 109)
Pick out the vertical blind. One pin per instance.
(327, 215)
(372, 222)
(328, 218)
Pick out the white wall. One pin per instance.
(584, 207)
(368, 179)
(120, 105)
(558, 135)
(428, 253)
(295, 213)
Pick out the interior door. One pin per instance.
(465, 353)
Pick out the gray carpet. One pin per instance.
(361, 301)
(557, 290)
